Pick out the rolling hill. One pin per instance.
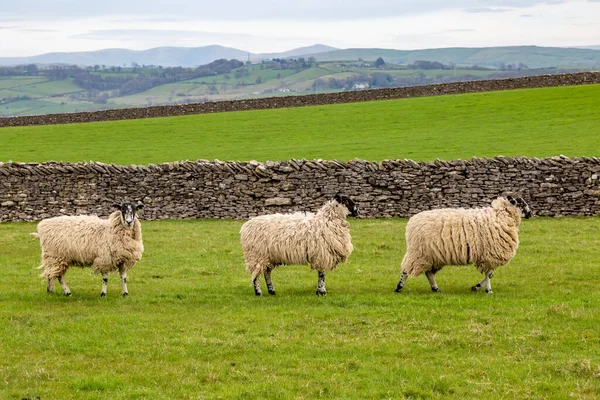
(532, 56)
(163, 56)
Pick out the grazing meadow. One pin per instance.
(535, 122)
(192, 328)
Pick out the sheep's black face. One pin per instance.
(128, 213)
(348, 203)
(521, 205)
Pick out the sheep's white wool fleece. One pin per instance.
(486, 237)
(88, 241)
(322, 239)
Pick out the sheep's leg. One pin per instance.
(431, 278)
(486, 282)
(50, 288)
(488, 286)
(478, 286)
(256, 283)
(104, 283)
(63, 284)
(269, 281)
(123, 273)
(321, 291)
(402, 282)
(53, 268)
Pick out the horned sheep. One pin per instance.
(486, 237)
(321, 240)
(106, 245)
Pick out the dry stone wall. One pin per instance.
(556, 186)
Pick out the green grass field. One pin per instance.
(18, 81)
(535, 122)
(192, 327)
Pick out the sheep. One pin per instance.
(104, 244)
(486, 237)
(321, 240)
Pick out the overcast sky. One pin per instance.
(31, 27)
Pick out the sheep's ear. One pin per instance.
(116, 206)
(338, 198)
(139, 207)
(512, 200)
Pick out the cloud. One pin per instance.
(486, 10)
(243, 10)
(153, 34)
(150, 38)
(38, 30)
(458, 31)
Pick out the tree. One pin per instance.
(31, 69)
(379, 62)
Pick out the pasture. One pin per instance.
(535, 122)
(192, 328)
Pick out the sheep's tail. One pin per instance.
(35, 235)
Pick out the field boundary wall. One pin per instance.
(554, 186)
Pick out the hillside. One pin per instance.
(583, 78)
(532, 56)
(163, 56)
(531, 122)
(31, 90)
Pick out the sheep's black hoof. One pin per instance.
(68, 294)
(102, 294)
(125, 294)
(435, 289)
(398, 289)
(488, 291)
(258, 294)
(476, 287)
(319, 293)
(272, 292)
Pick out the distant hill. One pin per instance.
(532, 56)
(299, 52)
(588, 47)
(164, 56)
